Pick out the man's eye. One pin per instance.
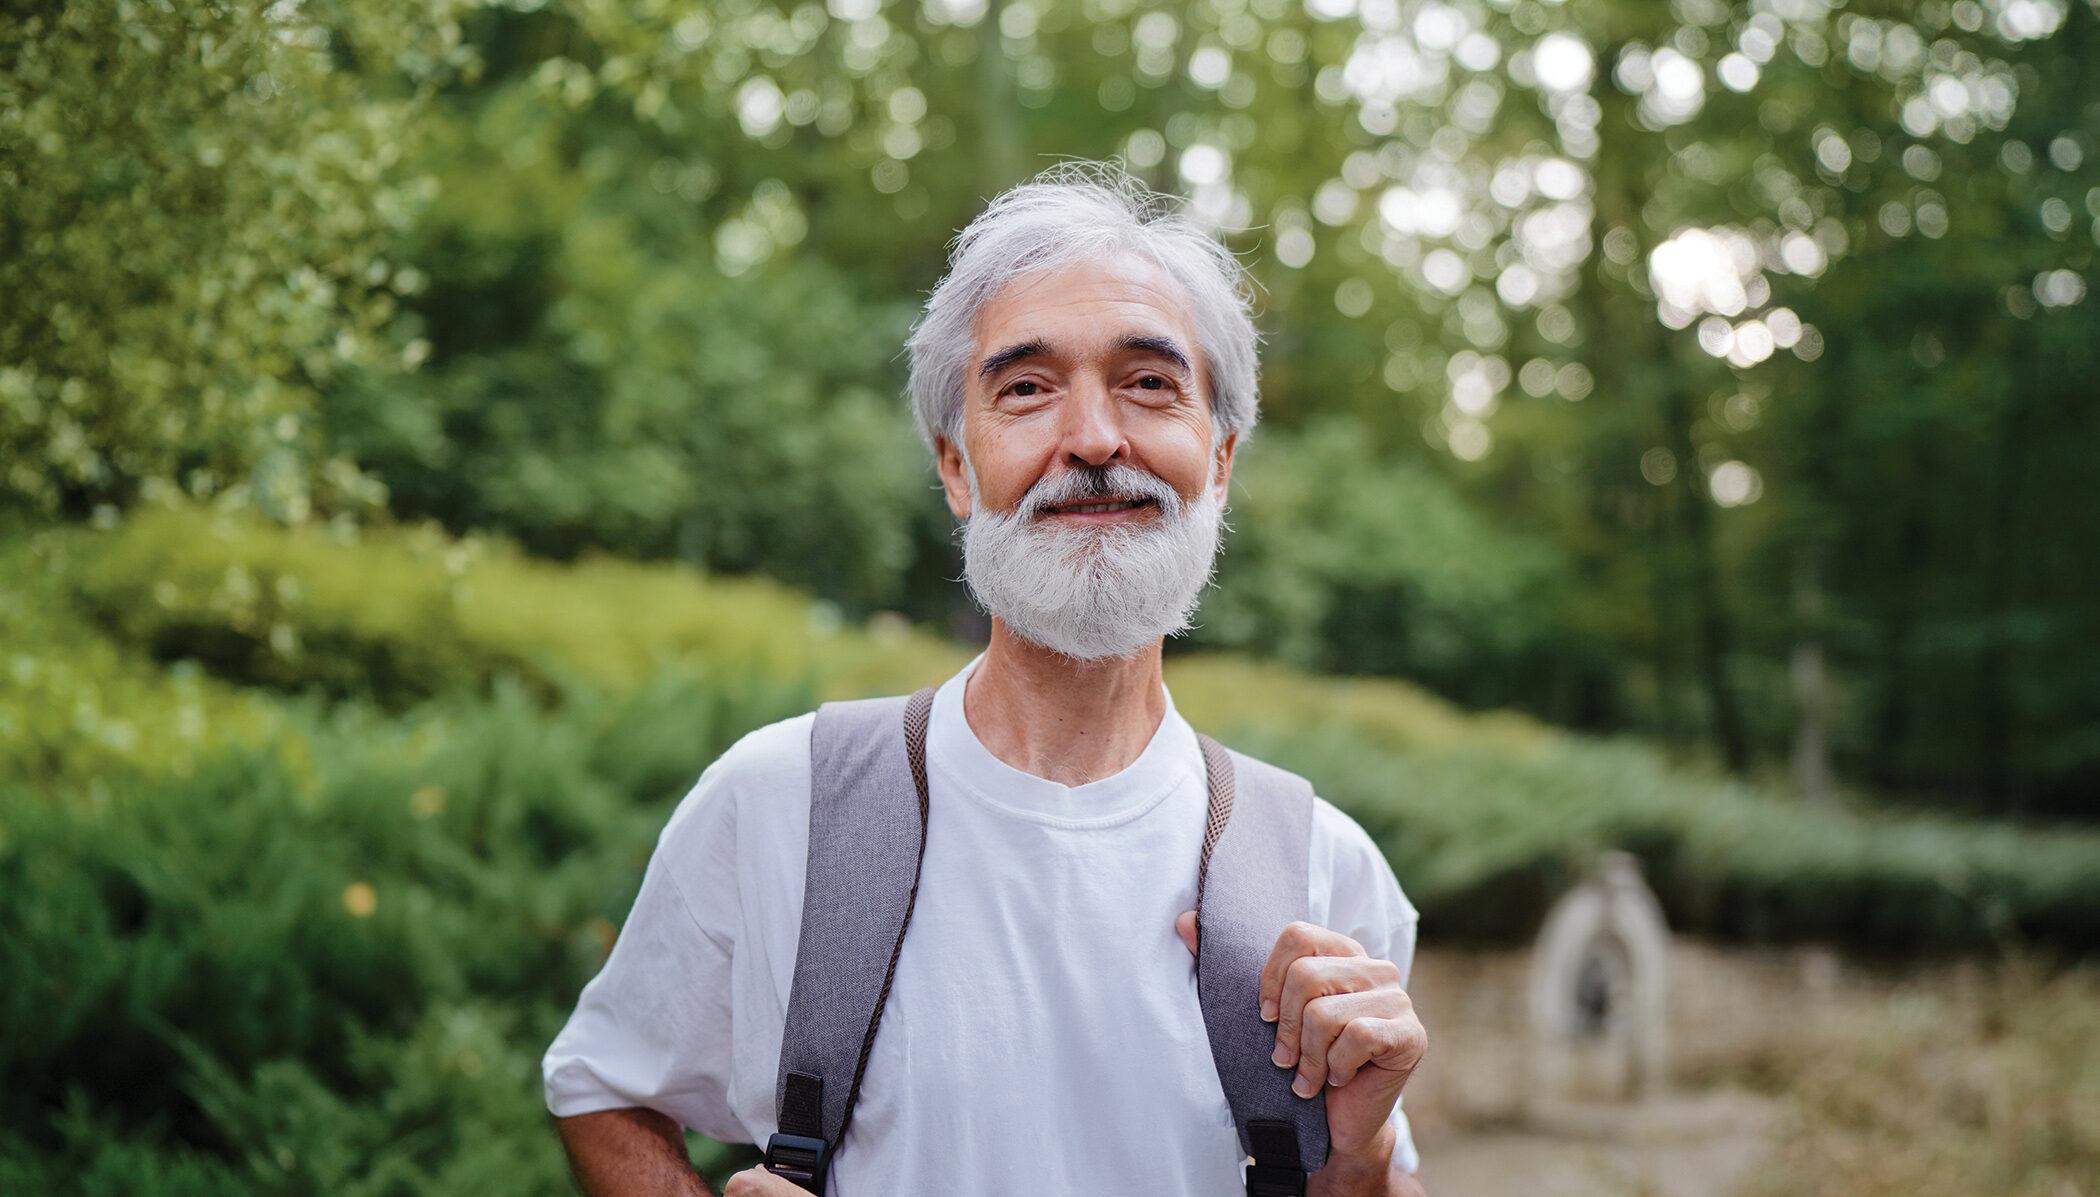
(1153, 382)
(1015, 389)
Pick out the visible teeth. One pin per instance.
(1102, 507)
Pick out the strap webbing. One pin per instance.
(802, 1106)
(1250, 882)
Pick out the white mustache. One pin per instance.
(1112, 482)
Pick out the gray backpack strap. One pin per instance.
(867, 837)
(1250, 883)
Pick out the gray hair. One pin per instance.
(1080, 211)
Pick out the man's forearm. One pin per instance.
(629, 1153)
(1369, 1174)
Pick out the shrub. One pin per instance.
(1486, 818)
(1485, 836)
(78, 711)
(398, 614)
(330, 962)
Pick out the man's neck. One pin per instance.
(1069, 721)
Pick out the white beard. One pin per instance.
(1093, 592)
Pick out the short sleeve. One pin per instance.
(653, 1028)
(1364, 901)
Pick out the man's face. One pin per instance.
(1086, 388)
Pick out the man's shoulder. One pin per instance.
(1333, 829)
(1358, 875)
(781, 743)
(1337, 830)
(763, 764)
(1343, 855)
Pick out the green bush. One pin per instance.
(320, 945)
(1486, 818)
(80, 711)
(1484, 837)
(399, 614)
(330, 962)
(1343, 562)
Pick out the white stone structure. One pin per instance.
(1600, 992)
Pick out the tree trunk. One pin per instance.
(1811, 753)
(1713, 638)
(998, 124)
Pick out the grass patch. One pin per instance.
(1944, 1094)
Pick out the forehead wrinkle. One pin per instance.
(1140, 295)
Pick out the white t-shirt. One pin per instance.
(1043, 1034)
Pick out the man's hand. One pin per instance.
(757, 1182)
(1344, 1023)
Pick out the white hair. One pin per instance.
(1083, 211)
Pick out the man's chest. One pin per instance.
(1059, 963)
(1043, 1032)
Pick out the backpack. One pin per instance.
(866, 842)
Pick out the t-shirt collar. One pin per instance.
(953, 748)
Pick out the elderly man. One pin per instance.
(1082, 375)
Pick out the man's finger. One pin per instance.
(1313, 977)
(1306, 981)
(1396, 1044)
(1298, 939)
(1322, 1024)
(1185, 926)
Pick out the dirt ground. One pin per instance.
(1483, 1132)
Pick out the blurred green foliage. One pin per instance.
(596, 380)
(1486, 818)
(1717, 371)
(1339, 562)
(324, 951)
(139, 650)
(328, 963)
(79, 709)
(197, 207)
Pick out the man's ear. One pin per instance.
(1224, 465)
(955, 479)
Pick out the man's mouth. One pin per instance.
(1099, 506)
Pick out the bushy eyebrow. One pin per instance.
(1009, 355)
(1158, 347)
(1136, 342)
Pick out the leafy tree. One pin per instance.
(1766, 322)
(195, 201)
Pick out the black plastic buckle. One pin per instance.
(1275, 1182)
(799, 1158)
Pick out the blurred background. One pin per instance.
(432, 430)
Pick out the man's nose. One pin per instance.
(1093, 425)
